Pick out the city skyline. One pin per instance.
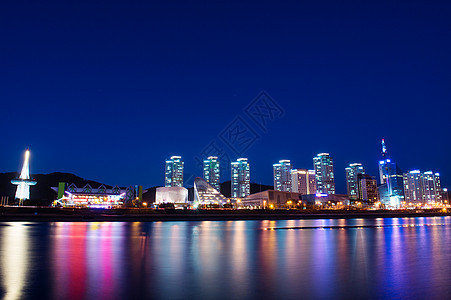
(390, 189)
(111, 102)
(174, 173)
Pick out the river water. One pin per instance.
(389, 258)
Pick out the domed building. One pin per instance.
(171, 194)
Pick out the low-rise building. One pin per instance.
(100, 197)
(171, 194)
(272, 199)
(206, 194)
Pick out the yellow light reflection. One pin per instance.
(14, 262)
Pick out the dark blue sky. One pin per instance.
(108, 90)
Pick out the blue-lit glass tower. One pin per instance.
(391, 179)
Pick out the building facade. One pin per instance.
(174, 172)
(303, 181)
(282, 176)
(390, 174)
(367, 188)
(206, 194)
(324, 171)
(413, 187)
(172, 194)
(391, 190)
(422, 188)
(272, 199)
(241, 179)
(212, 171)
(352, 182)
(69, 195)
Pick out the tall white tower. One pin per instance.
(24, 181)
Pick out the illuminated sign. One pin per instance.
(94, 200)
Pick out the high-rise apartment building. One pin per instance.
(352, 182)
(324, 171)
(174, 171)
(413, 187)
(367, 188)
(438, 188)
(422, 187)
(241, 182)
(282, 175)
(212, 171)
(303, 181)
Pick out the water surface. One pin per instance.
(356, 258)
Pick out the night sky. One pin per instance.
(109, 89)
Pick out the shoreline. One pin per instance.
(29, 214)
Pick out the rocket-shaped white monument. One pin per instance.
(24, 181)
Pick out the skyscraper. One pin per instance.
(413, 187)
(174, 171)
(303, 181)
(211, 171)
(432, 187)
(438, 188)
(241, 182)
(282, 176)
(422, 187)
(324, 170)
(391, 191)
(352, 182)
(24, 181)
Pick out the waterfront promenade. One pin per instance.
(45, 214)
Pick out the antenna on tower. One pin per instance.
(384, 148)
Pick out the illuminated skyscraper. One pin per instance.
(352, 182)
(24, 181)
(324, 171)
(432, 187)
(241, 182)
(422, 187)
(438, 188)
(211, 171)
(303, 181)
(391, 190)
(174, 171)
(282, 176)
(413, 187)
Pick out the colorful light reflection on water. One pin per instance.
(356, 258)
